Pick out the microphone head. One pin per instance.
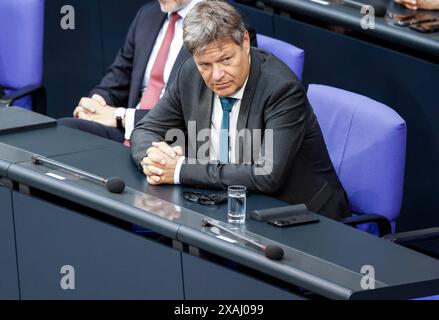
(274, 252)
(115, 185)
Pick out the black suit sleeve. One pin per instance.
(115, 85)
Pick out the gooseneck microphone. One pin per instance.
(114, 185)
(271, 251)
(380, 9)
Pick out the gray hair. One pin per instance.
(209, 21)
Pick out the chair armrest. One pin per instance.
(38, 93)
(384, 226)
(414, 236)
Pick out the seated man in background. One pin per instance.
(226, 89)
(419, 4)
(143, 68)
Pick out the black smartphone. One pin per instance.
(426, 27)
(400, 19)
(404, 20)
(294, 220)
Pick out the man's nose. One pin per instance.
(217, 73)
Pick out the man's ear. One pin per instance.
(246, 41)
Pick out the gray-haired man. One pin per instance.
(229, 87)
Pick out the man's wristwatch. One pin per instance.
(120, 115)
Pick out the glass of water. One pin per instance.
(237, 196)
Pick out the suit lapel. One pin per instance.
(247, 98)
(204, 111)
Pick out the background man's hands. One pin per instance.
(160, 162)
(95, 109)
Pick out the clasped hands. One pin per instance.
(160, 163)
(96, 109)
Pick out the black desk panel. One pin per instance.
(108, 263)
(324, 258)
(10, 154)
(126, 206)
(18, 119)
(315, 239)
(8, 258)
(319, 258)
(201, 276)
(56, 140)
(116, 161)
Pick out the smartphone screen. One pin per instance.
(410, 19)
(432, 26)
(400, 19)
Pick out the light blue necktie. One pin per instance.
(227, 105)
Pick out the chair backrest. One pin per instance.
(292, 56)
(21, 43)
(366, 141)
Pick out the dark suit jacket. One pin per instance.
(274, 98)
(122, 84)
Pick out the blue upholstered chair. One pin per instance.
(21, 54)
(366, 141)
(292, 56)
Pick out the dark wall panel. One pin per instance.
(72, 58)
(108, 262)
(262, 22)
(75, 60)
(205, 280)
(117, 16)
(8, 258)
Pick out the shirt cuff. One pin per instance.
(178, 169)
(129, 122)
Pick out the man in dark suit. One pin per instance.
(139, 76)
(222, 100)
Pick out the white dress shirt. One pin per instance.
(176, 45)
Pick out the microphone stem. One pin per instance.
(207, 222)
(39, 160)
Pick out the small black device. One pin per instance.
(294, 220)
(426, 27)
(403, 20)
(285, 216)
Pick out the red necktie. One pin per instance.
(155, 84)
